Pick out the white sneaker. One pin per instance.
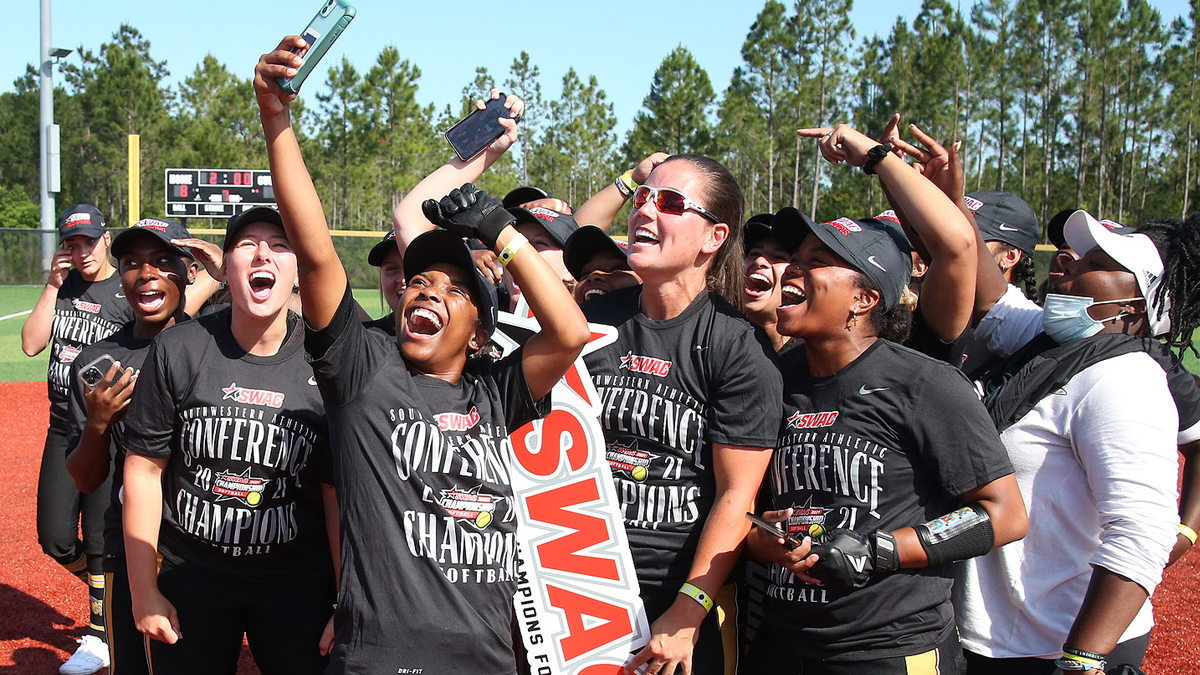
(92, 655)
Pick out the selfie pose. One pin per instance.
(81, 303)
(419, 428)
(227, 477)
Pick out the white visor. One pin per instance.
(1134, 252)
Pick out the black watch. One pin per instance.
(874, 156)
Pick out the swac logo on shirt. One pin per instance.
(807, 520)
(458, 421)
(800, 420)
(242, 487)
(645, 364)
(271, 399)
(629, 459)
(470, 505)
(93, 307)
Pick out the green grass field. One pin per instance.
(16, 367)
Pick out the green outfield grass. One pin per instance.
(16, 367)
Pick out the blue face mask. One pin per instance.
(1065, 318)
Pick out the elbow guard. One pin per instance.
(958, 535)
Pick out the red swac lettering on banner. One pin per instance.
(547, 460)
(602, 669)
(562, 553)
(613, 623)
(575, 382)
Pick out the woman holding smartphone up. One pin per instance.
(420, 428)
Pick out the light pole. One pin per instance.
(49, 156)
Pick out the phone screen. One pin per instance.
(474, 133)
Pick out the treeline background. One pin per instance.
(1068, 103)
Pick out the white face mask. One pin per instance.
(1065, 317)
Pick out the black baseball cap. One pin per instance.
(560, 225)
(258, 214)
(584, 244)
(164, 229)
(82, 219)
(1005, 217)
(1055, 228)
(758, 227)
(524, 195)
(790, 226)
(440, 246)
(868, 245)
(379, 251)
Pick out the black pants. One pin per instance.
(61, 509)
(282, 621)
(1131, 652)
(769, 654)
(126, 646)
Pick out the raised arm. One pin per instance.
(407, 218)
(603, 206)
(469, 212)
(944, 232)
(36, 331)
(322, 277)
(945, 170)
(88, 462)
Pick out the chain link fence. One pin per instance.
(21, 254)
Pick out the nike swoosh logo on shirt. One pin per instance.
(120, 295)
(864, 391)
(1006, 228)
(313, 380)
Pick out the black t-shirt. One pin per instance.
(86, 311)
(669, 390)
(887, 442)
(246, 445)
(429, 545)
(387, 324)
(131, 351)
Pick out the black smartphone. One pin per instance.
(474, 133)
(773, 528)
(92, 373)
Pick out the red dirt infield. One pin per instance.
(43, 608)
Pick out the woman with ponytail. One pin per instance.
(690, 396)
(887, 468)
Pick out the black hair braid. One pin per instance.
(1024, 275)
(1178, 243)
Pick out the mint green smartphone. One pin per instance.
(320, 34)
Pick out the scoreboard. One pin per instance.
(216, 193)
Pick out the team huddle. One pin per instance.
(952, 468)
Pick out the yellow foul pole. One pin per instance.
(135, 190)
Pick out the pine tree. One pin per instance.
(675, 115)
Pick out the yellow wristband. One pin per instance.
(1188, 532)
(510, 251)
(698, 595)
(626, 179)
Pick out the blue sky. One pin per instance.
(621, 43)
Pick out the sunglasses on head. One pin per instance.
(669, 201)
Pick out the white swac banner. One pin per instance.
(577, 592)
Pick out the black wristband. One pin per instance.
(493, 224)
(874, 156)
(1071, 651)
(887, 555)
